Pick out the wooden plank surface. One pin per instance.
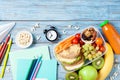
(61, 26)
(79, 13)
(59, 10)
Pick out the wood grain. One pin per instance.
(59, 13)
(59, 10)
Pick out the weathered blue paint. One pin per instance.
(59, 13)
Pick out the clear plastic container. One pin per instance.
(74, 65)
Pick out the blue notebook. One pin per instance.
(47, 71)
(30, 53)
(23, 68)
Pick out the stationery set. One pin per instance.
(5, 45)
(26, 64)
(33, 63)
(4, 53)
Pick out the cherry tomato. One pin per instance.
(94, 45)
(81, 42)
(77, 35)
(102, 48)
(75, 41)
(99, 41)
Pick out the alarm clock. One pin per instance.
(51, 34)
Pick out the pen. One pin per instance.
(33, 72)
(6, 59)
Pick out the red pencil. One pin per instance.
(1, 46)
(3, 49)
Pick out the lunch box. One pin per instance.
(86, 62)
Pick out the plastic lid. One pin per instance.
(104, 23)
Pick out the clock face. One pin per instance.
(51, 35)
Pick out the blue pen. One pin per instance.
(38, 60)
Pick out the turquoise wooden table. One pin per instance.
(62, 14)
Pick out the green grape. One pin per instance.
(100, 53)
(85, 54)
(83, 46)
(88, 45)
(89, 56)
(94, 56)
(86, 57)
(88, 52)
(86, 48)
(97, 55)
(91, 48)
(92, 52)
(90, 59)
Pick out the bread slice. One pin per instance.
(72, 52)
(67, 60)
(70, 63)
(75, 66)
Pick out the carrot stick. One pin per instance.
(67, 40)
(64, 44)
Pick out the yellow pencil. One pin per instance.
(6, 58)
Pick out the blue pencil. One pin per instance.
(37, 63)
(36, 71)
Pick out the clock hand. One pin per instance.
(51, 35)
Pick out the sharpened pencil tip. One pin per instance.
(9, 34)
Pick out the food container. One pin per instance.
(67, 53)
(24, 39)
(90, 41)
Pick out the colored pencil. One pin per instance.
(2, 52)
(4, 46)
(36, 71)
(1, 46)
(33, 72)
(6, 59)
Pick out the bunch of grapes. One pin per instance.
(90, 52)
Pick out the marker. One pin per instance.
(35, 68)
(6, 59)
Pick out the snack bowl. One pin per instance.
(92, 35)
(24, 39)
(73, 55)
